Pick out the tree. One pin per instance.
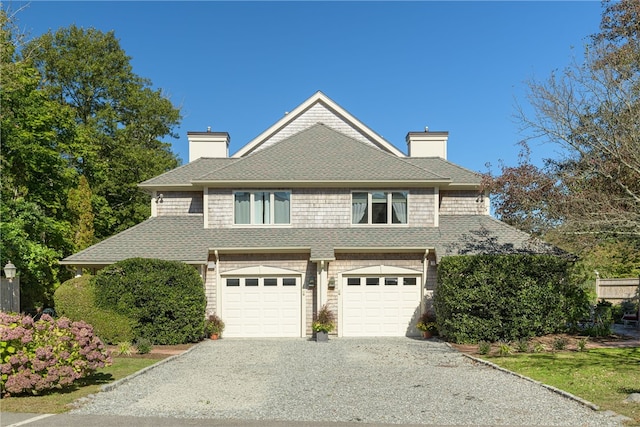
(79, 130)
(34, 131)
(119, 120)
(591, 110)
(79, 205)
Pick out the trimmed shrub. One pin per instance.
(46, 354)
(75, 299)
(505, 297)
(164, 299)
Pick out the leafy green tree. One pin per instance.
(35, 131)
(79, 131)
(119, 117)
(79, 205)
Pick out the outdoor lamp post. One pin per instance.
(10, 271)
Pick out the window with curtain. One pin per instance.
(359, 211)
(281, 207)
(262, 207)
(379, 207)
(242, 208)
(399, 207)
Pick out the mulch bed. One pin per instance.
(548, 341)
(157, 351)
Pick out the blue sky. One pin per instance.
(396, 66)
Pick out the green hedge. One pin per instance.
(164, 299)
(505, 297)
(75, 299)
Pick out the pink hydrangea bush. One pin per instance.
(46, 354)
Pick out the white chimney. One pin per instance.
(208, 144)
(427, 144)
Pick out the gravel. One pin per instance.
(389, 380)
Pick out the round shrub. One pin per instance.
(505, 297)
(75, 299)
(46, 354)
(164, 299)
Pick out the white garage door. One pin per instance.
(261, 307)
(379, 306)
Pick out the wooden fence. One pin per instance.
(617, 290)
(10, 294)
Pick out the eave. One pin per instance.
(323, 184)
(382, 249)
(261, 249)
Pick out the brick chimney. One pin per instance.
(208, 144)
(427, 144)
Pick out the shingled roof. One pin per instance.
(183, 238)
(318, 154)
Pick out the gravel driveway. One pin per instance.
(388, 380)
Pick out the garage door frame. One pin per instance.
(262, 272)
(377, 271)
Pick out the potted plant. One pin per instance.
(213, 327)
(427, 324)
(324, 323)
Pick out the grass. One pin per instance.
(602, 376)
(57, 401)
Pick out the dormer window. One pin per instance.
(262, 207)
(379, 207)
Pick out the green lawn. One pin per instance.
(57, 401)
(602, 376)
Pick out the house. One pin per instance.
(316, 209)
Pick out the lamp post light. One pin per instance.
(10, 271)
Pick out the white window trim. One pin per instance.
(389, 208)
(271, 207)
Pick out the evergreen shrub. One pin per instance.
(505, 297)
(164, 299)
(75, 299)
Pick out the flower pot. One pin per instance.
(322, 336)
(426, 334)
(215, 336)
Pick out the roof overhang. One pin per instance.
(262, 250)
(321, 184)
(102, 264)
(177, 187)
(383, 249)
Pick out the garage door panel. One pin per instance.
(383, 310)
(262, 311)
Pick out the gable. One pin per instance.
(317, 109)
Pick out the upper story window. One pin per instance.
(262, 207)
(379, 207)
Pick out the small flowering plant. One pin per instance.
(36, 356)
(427, 323)
(325, 320)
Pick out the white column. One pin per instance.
(205, 206)
(154, 204)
